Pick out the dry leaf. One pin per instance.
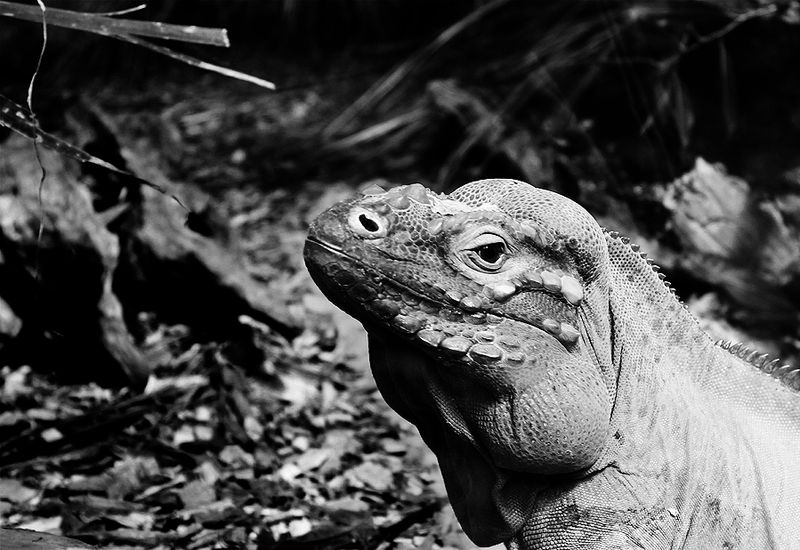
(14, 491)
(313, 459)
(46, 525)
(129, 474)
(372, 475)
(197, 493)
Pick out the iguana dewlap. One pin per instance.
(570, 398)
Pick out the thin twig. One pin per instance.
(40, 233)
(193, 61)
(133, 9)
(109, 26)
(19, 119)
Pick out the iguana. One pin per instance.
(571, 399)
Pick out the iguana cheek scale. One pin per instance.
(570, 398)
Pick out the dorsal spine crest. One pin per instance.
(787, 374)
(636, 249)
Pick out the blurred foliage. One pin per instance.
(555, 93)
(623, 91)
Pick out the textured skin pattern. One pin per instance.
(572, 401)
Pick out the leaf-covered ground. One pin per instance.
(301, 452)
(294, 450)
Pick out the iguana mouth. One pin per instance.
(342, 277)
(434, 322)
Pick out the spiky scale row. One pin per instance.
(650, 261)
(786, 373)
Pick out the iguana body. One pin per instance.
(572, 401)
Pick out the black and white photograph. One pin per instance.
(400, 274)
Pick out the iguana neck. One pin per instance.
(655, 342)
(653, 337)
(679, 443)
(691, 421)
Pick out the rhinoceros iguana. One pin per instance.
(571, 399)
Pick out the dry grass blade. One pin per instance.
(666, 10)
(383, 87)
(726, 84)
(109, 26)
(125, 11)
(19, 119)
(378, 130)
(194, 62)
(133, 31)
(565, 46)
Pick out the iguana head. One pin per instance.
(481, 306)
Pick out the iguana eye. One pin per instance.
(488, 256)
(491, 253)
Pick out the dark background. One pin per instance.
(261, 426)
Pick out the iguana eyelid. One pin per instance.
(486, 239)
(470, 244)
(474, 258)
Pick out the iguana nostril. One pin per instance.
(366, 223)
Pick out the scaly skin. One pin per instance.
(570, 398)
